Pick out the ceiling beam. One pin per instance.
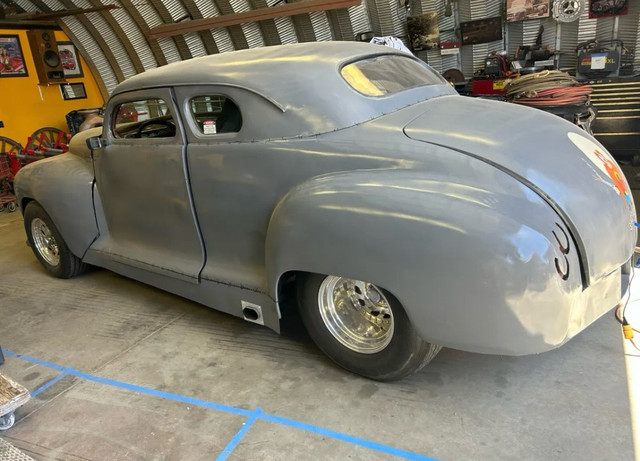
(261, 14)
(40, 16)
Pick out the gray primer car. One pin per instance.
(406, 217)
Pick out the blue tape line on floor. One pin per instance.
(133, 387)
(34, 360)
(236, 438)
(345, 438)
(164, 395)
(50, 383)
(253, 415)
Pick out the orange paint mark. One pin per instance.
(613, 170)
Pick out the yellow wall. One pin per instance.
(26, 106)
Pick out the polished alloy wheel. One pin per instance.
(356, 313)
(44, 242)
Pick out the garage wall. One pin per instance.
(27, 106)
(559, 36)
(116, 41)
(625, 28)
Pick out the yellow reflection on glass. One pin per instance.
(359, 82)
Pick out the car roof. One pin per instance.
(302, 80)
(267, 70)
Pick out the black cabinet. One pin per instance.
(617, 125)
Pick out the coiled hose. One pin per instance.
(547, 88)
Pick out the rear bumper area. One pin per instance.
(535, 320)
(598, 299)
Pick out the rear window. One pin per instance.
(386, 75)
(216, 114)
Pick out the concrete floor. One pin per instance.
(146, 375)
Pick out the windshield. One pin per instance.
(389, 74)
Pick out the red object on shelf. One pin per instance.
(489, 86)
(447, 44)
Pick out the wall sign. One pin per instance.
(519, 10)
(423, 31)
(481, 31)
(567, 10)
(11, 58)
(70, 60)
(604, 8)
(73, 91)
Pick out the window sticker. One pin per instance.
(209, 127)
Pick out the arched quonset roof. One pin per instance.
(116, 42)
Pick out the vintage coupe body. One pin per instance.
(401, 216)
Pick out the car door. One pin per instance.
(234, 181)
(142, 179)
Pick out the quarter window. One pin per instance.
(215, 114)
(147, 118)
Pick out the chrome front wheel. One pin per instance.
(356, 313)
(48, 245)
(44, 242)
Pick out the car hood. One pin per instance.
(78, 143)
(560, 162)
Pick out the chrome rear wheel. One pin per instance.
(356, 313)
(361, 326)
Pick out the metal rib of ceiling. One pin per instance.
(115, 42)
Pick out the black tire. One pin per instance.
(405, 354)
(68, 265)
(11, 207)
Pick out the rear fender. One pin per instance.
(461, 251)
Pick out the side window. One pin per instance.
(147, 118)
(216, 114)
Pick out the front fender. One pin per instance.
(470, 254)
(63, 186)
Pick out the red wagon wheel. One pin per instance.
(9, 146)
(47, 141)
(10, 150)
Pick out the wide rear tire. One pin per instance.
(361, 327)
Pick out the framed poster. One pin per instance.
(70, 60)
(521, 10)
(604, 8)
(423, 31)
(481, 31)
(73, 91)
(11, 58)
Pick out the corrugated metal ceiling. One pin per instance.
(116, 44)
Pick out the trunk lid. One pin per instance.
(566, 166)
